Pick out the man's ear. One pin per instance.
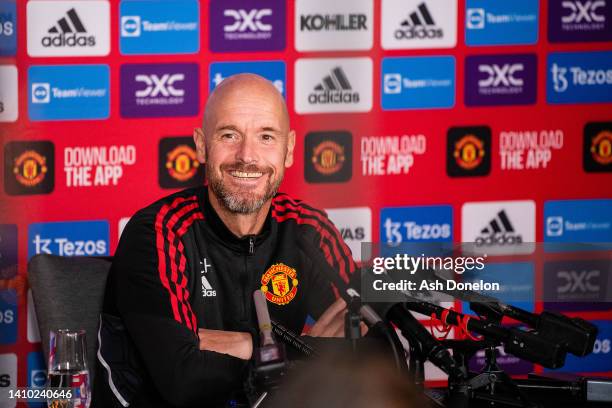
(198, 138)
(290, 147)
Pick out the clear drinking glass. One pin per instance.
(68, 368)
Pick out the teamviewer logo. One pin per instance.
(41, 92)
(130, 26)
(554, 226)
(392, 83)
(475, 19)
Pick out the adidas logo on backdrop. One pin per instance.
(334, 88)
(68, 31)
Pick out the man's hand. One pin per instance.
(331, 322)
(237, 344)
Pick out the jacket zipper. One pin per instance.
(245, 296)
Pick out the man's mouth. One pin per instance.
(246, 174)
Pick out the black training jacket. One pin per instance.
(178, 268)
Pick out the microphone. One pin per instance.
(263, 318)
(292, 339)
(269, 363)
(416, 333)
(577, 335)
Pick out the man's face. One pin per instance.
(246, 146)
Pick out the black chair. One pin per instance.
(68, 293)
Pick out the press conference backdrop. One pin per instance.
(416, 120)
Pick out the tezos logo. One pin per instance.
(78, 238)
(274, 71)
(579, 77)
(416, 224)
(29, 168)
(8, 28)
(328, 157)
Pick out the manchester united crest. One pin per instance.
(279, 284)
(182, 163)
(469, 152)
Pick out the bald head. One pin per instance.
(246, 88)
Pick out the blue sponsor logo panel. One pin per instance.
(159, 27)
(501, 22)
(8, 316)
(416, 230)
(77, 238)
(579, 77)
(578, 221)
(8, 28)
(37, 375)
(516, 281)
(68, 92)
(274, 71)
(600, 360)
(418, 82)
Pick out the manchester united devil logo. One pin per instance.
(279, 284)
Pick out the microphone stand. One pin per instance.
(352, 320)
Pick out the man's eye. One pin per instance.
(267, 137)
(227, 135)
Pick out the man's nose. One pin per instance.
(247, 150)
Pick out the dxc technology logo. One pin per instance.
(500, 79)
(257, 25)
(158, 90)
(579, 20)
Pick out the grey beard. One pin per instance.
(234, 203)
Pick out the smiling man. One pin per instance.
(179, 325)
